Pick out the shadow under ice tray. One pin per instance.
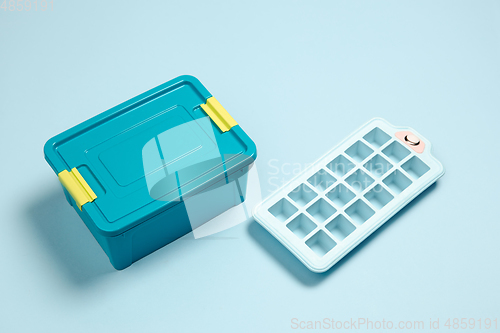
(331, 207)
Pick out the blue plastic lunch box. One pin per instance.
(138, 172)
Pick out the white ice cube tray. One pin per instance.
(331, 207)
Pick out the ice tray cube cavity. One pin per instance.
(328, 209)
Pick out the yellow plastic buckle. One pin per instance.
(77, 187)
(218, 114)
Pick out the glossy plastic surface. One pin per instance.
(144, 159)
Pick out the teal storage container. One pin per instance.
(136, 173)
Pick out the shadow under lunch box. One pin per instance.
(138, 173)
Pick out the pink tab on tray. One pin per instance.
(412, 141)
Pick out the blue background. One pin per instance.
(299, 76)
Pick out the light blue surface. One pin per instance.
(300, 76)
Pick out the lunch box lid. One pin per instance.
(148, 154)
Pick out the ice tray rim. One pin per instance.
(320, 268)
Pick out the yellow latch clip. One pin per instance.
(77, 187)
(218, 114)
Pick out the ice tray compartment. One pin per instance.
(360, 212)
(340, 165)
(321, 243)
(359, 151)
(397, 181)
(396, 152)
(321, 210)
(302, 194)
(379, 196)
(359, 180)
(340, 227)
(283, 209)
(378, 166)
(340, 195)
(322, 180)
(415, 167)
(377, 137)
(301, 226)
(346, 195)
